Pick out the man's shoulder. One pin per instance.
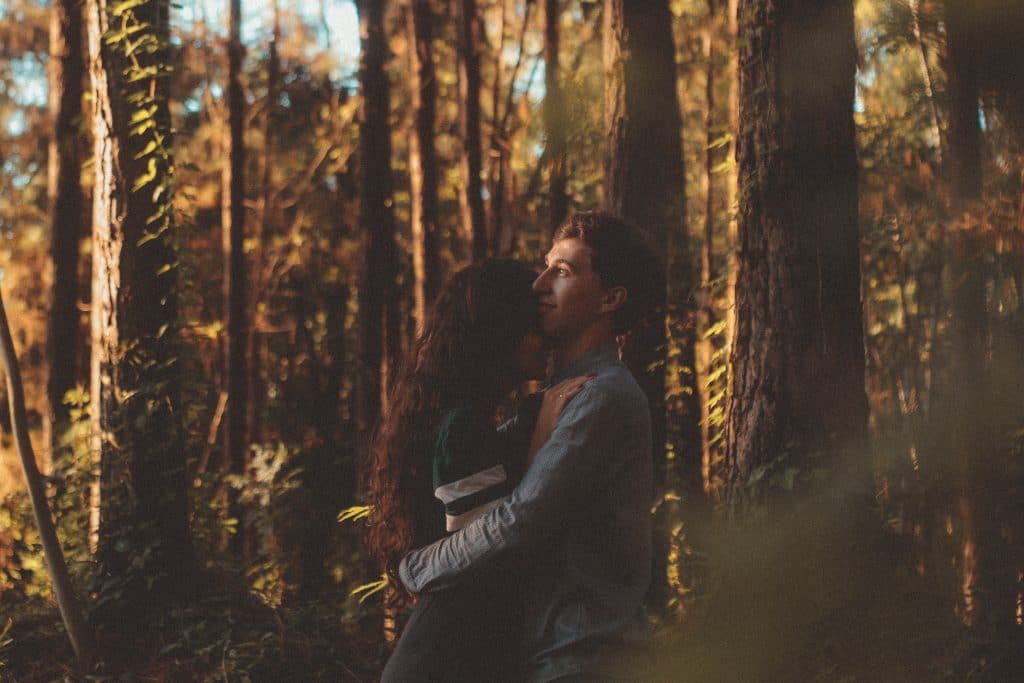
(616, 386)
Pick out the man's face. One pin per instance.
(569, 290)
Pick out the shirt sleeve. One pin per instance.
(579, 460)
(470, 475)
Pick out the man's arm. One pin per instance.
(578, 460)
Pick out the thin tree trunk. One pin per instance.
(929, 79)
(242, 542)
(503, 226)
(378, 294)
(257, 387)
(81, 636)
(964, 133)
(555, 124)
(64, 192)
(498, 145)
(143, 535)
(423, 169)
(471, 201)
(798, 383)
(236, 450)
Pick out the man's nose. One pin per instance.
(541, 283)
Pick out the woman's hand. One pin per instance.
(551, 407)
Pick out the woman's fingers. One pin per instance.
(573, 383)
(564, 391)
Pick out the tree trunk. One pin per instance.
(555, 124)
(498, 144)
(236, 449)
(645, 183)
(471, 201)
(707, 316)
(256, 351)
(423, 169)
(964, 132)
(378, 293)
(65, 198)
(929, 79)
(143, 535)
(798, 381)
(732, 182)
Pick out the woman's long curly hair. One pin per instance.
(465, 354)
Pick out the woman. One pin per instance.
(438, 463)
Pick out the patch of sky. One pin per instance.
(21, 180)
(30, 88)
(335, 23)
(866, 79)
(16, 123)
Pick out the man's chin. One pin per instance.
(550, 332)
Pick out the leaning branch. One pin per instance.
(70, 611)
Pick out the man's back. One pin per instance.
(584, 604)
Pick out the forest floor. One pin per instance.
(810, 589)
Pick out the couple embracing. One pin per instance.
(528, 544)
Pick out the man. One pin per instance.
(582, 511)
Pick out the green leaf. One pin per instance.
(147, 150)
(122, 7)
(720, 141)
(147, 177)
(354, 513)
(143, 114)
(723, 166)
(368, 589)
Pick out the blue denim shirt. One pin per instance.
(580, 520)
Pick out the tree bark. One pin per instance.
(798, 381)
(255, 352)
(929, 79)
(378, 293)
(143, 534)
(555, 124)
(236, 450)
(423, 169)
(498, 144)
(471, 201)
(732, 186)
(645, 183)
(963, 91)
(64, 192)
(707, 316)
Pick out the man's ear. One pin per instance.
(613, 299)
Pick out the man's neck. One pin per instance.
(577, 347)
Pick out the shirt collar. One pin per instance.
(595, 359)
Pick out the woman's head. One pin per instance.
(475, 327)
(479, 340)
